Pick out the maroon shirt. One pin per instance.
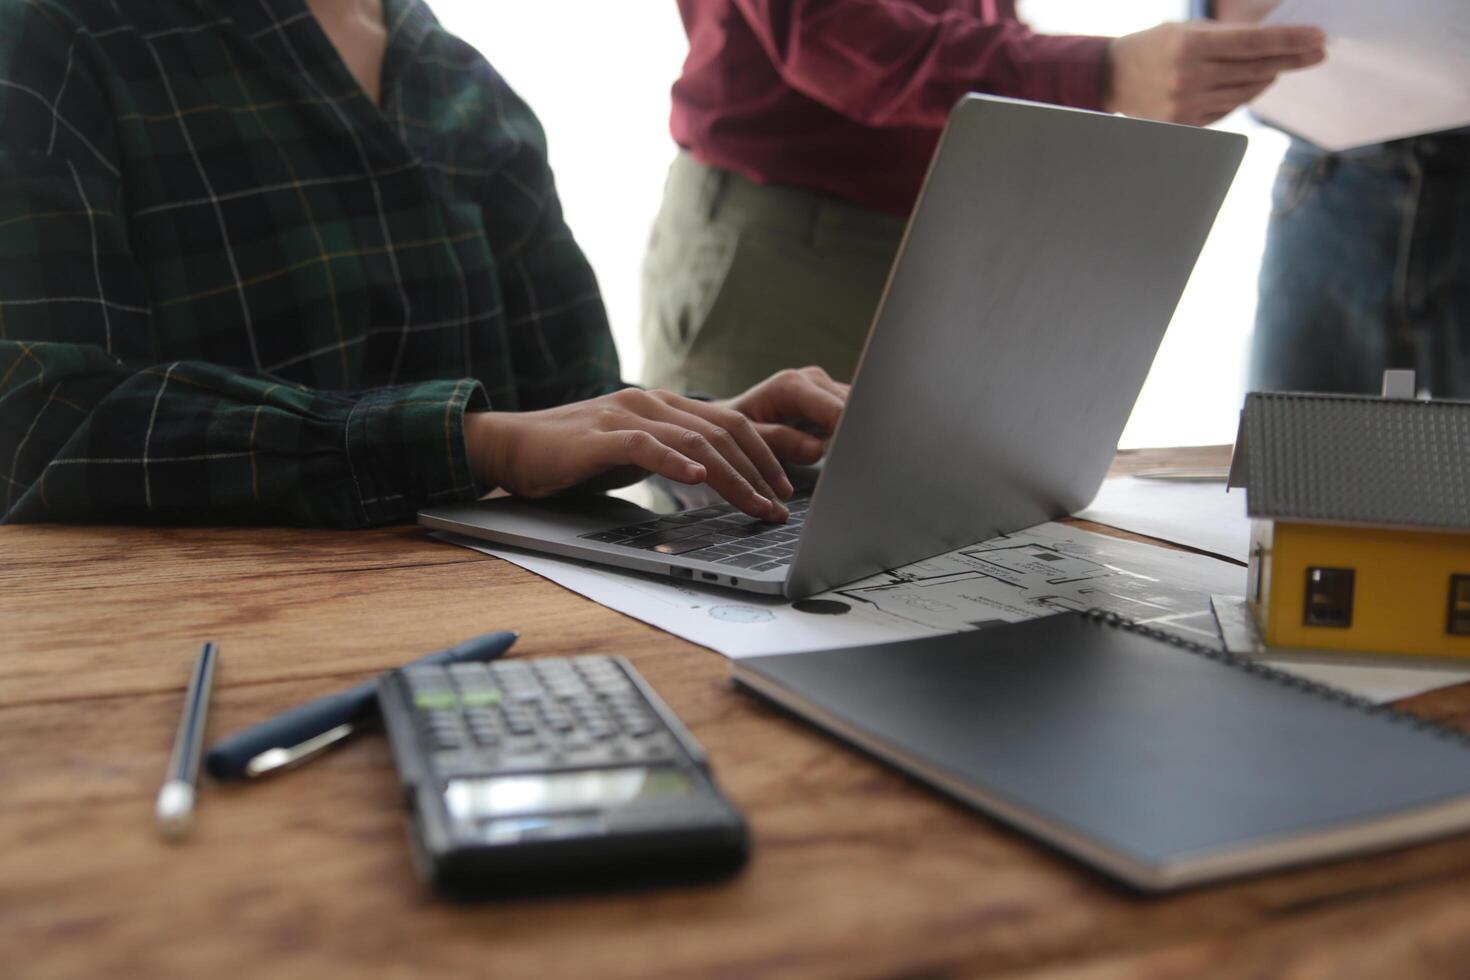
(847, 97)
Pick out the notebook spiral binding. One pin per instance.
(1238, 662)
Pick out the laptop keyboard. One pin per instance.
(721, 534)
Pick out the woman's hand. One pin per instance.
(734, 446)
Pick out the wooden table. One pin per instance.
(856, 871)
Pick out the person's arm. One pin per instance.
(578, 423)
(736, 446)
(95, 425)
(1195, 73)
(556, 329)
(893, 63)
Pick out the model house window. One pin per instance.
(1329, 597)
(1459, 623)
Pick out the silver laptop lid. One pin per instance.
(1038, 274)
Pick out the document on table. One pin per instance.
(1198, 515)
(1392, 70)
(1043, 569)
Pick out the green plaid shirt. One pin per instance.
(234, 289)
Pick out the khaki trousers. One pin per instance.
(742, 280)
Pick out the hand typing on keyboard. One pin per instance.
(735, 446)
(716, 534)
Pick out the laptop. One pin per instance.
(1038, 273)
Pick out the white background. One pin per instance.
(598, 75)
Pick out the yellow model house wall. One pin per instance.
(1400, 592)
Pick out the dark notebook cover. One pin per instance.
(1161, 764)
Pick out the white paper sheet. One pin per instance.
(1197, 515)
(1378, 682)
(1043, 569)
(1392, 70)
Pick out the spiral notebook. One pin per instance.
(1160, 762)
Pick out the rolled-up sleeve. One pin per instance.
(889, 63)
(93, 425)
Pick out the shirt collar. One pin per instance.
(408, 21)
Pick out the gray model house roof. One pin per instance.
(1355, 460)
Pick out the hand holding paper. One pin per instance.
(1195, 73)
(1393, 70)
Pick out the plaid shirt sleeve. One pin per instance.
(546, 278)
(94, 428)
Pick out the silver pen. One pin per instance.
(175, 804)
(309, 729)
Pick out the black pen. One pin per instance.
(175, 806)
(301, 733)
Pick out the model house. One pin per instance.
(1360, 514)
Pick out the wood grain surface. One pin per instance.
(856, 871)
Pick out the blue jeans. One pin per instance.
(1367, 267)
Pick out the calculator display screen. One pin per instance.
(588, 789)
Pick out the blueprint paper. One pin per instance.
(1392, 70)
(1194, 514)
(1044, 569)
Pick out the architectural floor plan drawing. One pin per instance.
(1043, 569)
(1039, 571)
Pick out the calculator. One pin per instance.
(527, 776)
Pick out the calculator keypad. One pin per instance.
(536, 715)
